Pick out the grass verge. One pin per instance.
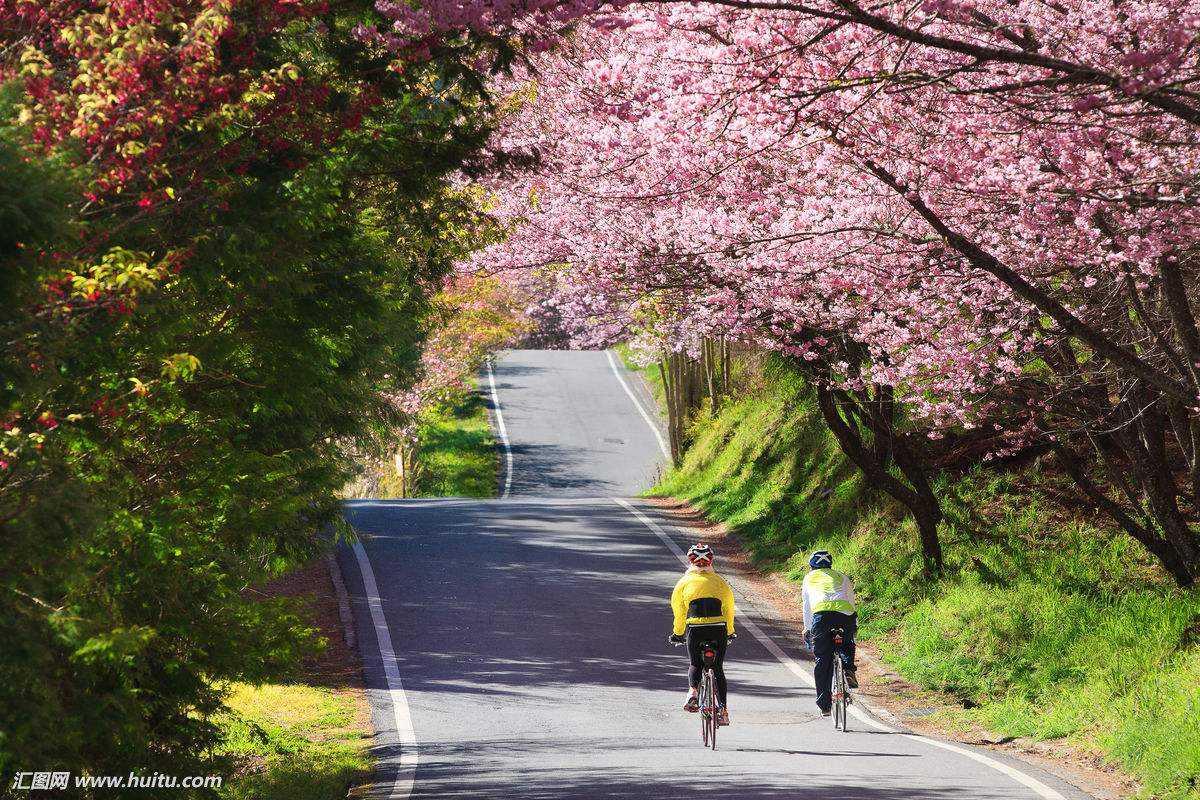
(1047, 624)
(306, 739)
(650, 373)
(458, 453)
(294, 742)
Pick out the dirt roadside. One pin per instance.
(337, 666)
(917, 709)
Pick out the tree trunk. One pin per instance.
(1157, 545)
(919, 499)
(724, 365)
(668, 370)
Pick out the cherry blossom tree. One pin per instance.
(988, 248)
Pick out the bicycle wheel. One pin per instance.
(712, 710)
(705, 710)
(845, 704)
(839, 693)
(845, 698)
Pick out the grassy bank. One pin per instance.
(457, 456)
(304, 737)
(294, 742)
(1047, 624)
(458, 453)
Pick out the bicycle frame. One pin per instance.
(708, 699)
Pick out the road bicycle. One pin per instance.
(841, 689)
(708, 692)
(839, 686)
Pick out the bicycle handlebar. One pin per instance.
(728, 640)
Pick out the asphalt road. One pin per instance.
(573, 430)
(529, 638)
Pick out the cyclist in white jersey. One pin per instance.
(828, 604)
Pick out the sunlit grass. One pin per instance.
(651, 373)
(292, 742)
(458, 454)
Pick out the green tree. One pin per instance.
(180, 393)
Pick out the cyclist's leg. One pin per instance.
(697, 660)
(823, 658)
(695, 669)
(851, 626)
(719, 668)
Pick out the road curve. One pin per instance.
(529, 638)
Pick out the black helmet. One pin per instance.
(820, 559)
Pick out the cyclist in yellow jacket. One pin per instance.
(703, 606)
(828, 604)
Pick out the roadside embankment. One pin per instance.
(1047, 624)
(306, 738)
(451, 453)
(457, 454)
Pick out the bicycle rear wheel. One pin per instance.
(712, 709)
(705, 691)
(839, 693)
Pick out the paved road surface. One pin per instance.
(574, 431)
(530, 632)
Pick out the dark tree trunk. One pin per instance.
(918, 497)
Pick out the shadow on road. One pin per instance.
(502, 611)
(551, 469)
(447, 772)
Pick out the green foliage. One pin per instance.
(458, 454)
(199, 427)
(1046, 624)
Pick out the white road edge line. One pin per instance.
(407, 738)
(662, 445)
(508, 457)
(1040, 789)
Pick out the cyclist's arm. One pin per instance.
(679, 609)
(849, 586)
(808, 614)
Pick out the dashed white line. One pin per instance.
(503, 432)
(1040, 789)
(637, 404)
(406, 770)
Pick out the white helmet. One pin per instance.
(700, 554)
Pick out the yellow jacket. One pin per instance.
(697, 584)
